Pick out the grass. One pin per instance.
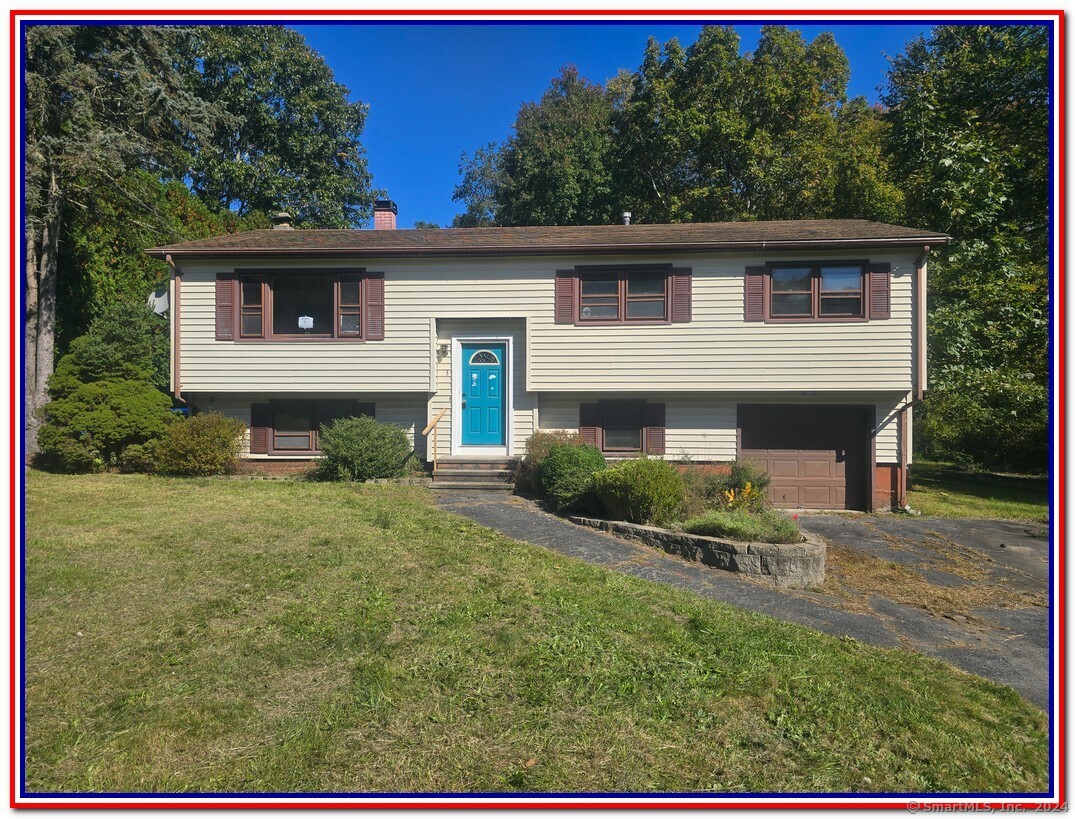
(214, 635)
(951, 491)
(757, 527)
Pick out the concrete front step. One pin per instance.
(497, 486)
(466, 463)
(461, 474)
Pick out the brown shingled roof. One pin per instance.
(518, 241)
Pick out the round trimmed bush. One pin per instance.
(566, 476)
(90, 426)
(641, 490)
(363, 448)
(139, 458)
(537, 450)
(205, 444)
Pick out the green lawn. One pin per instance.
(223, 635)
(951, 491)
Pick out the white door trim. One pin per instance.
(509, 397)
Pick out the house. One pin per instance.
(799, 344)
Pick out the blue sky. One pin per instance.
(437, 90)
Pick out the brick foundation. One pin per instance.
(258, 466)
(887, 492)
(708, 467)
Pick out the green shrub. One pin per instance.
(738, 485)
(361, 449)
(89, 427)
(641, 490)
(205, 444)
(538, 446)
(126, 341)
(138, 458)
(996, 420)
(739, 524)
(566, 476)
(60, 450)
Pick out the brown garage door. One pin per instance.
(815, 455)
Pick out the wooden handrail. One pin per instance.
(434, 422)
(432, 425)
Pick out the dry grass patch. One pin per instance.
(854, 577)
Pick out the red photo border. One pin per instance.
(552, 802)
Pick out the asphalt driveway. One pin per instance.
(970, 592)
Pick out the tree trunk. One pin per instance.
(42, 247)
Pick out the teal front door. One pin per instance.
(482, 394)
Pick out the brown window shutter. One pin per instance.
(565, 297)
(681, 294)
(590, 424)
(225, 306)
(754, 298)
(364, 408)
(880, 290)
(260, 428)
(654, 429)
(375, 306)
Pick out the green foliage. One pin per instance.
(292, 138)
(566, 476)
(554, 169)
(479, 174)
(361, 449)
(968, 113)
(740, 524)
(423, 225)
(126, 341)
(995, 419)
(641, 490)
(739, 485)
(98, 421)
(205, 444)
(138, 458)
(538, 446)
(102, 262)
(702, 133)
(969, 109)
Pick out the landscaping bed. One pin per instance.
(798, 565)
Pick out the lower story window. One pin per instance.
(622, 426)
(292, 426)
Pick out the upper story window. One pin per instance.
(818, 291)
(300, 304)
(623, 295)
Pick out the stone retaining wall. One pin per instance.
(793, 565)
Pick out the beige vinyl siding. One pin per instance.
(704, 428)
(414, 292)
(408, 411)
(716, 351)
(523, 402)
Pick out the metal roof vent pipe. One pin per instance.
(281, 221)
(625, 217)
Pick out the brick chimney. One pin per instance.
(384, 214)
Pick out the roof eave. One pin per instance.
(552, 250)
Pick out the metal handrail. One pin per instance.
(432, 425)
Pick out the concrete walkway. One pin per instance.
(1008, 645)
